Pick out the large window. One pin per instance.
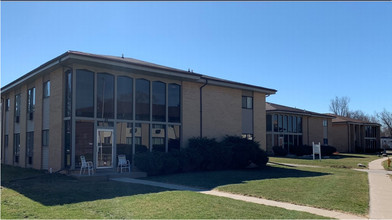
(142, 100)
(30, 103)
(105, 95)
(282, 130)
(16, 147)
(142, 137)
(247, 102)
(68, 93)
(124, 98)
(17, 108)
(84, 141)
(84, 93)
(124, 139)
(29, 147)
(173, 135)
(158, 137)
(174, 103)
(46, 92)
(158, 101)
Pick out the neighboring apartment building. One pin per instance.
(287, 127)
(386, 142)
(355, 136)
(101, 106)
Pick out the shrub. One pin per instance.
(301, 150)
(155, 163)
(327, 150)
(279, 151)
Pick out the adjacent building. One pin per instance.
(288, 127)
(102, 106)
(354, 136)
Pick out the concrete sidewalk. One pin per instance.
(380, 191)
(289, 206)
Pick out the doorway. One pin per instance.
(104, 152)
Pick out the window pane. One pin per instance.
(7, 105)
(29, 147)
(158, 138)
(67, 143)
(124, 139)
(290, 124)
(285, 123)
(294, 124)
(174, 102)
(299, 124)
(105, 95)
(68, 93)
(243, 101)
(142, 137)
(84, 93)
(45, 138)
(124, 97)
(249, 104)
(275, 123)
(269, 122)
(280, 121)
(84, 141)
(173, 135)
(142, 100)
(158, 101)
(17, 108)
(16, 147)
(46, 89)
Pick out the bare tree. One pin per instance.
(360, 115)
(386, 119)
(339, 106)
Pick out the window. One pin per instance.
(105, 95)
(30, 146)
(285, 123)
(158, 137)
(45, 138)
(6, 141)
(142, 137)
(67, 143)
(174, 102)
(247, 102)
(294, 124)
(276, 123)
(325, 123)
(142, 102)
(299, 124)
(84, 93)
(124, 139)
(325, 141)
(68, 93)
(16, 147)
(269, 123)
(173, 135)
(7, 105)
(158, 101)
(84, 141)
(30, 103)
(46, 89)
(290, 124)
(17, 108)
(124, 98)
(280, 122)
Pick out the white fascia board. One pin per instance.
(131, 66)
(236, 86)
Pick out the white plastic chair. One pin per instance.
(123, 163)
(316, 150)
(86, 165)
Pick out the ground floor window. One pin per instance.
(16, 147)
(173, 135)
(29, 147)
(158, 137)
(84, 141)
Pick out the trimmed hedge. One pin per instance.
(204, 154)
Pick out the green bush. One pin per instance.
(155, 163)
(279, 151)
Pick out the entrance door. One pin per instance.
(104, 153)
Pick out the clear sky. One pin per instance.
(309, 51)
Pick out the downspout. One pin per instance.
(201, 107)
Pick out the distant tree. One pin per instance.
(386, 119)
(360, 115)
(339, 106)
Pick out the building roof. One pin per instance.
(272, 107)
(344, 120)
(130, 63)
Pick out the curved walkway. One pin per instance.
(289, 206)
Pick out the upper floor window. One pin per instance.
(17, 108)
(174, 102)
(105, 95)
(142, 102)
(84, 93)
(247, 102)
(269, 122)
(68, 93)
(46, 89)
(30, 102)
(158, 101)
(7, 105)
(325, 123)
(124, 97)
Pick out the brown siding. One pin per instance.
(38, 124)
(259, 119)
(190, 111)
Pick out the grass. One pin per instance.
(329, 188)
(385, 165)
(33, 194)
(337, 161)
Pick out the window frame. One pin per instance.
(247, 102)
(46, 89)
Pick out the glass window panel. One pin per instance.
(142, 100)
(105, 95)
(67, 143)
(174, 102)
(173, 135)
(84, 93)
(30, 100)
(16, 147)
(269, 122)
(269, 142)
(17, 108)
(158, 137)
(276, 140)
(68, 93)
(294, 124)
(158, 101)
(280, 121)
(299, 124)
(300, 140)
(29, 146)
(124, 139)
(46, 89)
(124, 98)
(244, 101)
(285, 123)
(295, 140)
(84, 141)
(249, 103)
(142, 137)
(45, 138)
(7, 105)
(276, 123)
(290, 124)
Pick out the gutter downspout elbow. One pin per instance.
(201, 108)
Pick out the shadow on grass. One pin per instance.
(213, 179)
(58, 189)
(336, 157)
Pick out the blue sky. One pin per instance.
(309, 51)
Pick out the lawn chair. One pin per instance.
(123, 163)
(86, 165)
(316, 150)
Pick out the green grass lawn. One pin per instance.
(337, 161)
(329, 188)
(41, 195)
(385, 164)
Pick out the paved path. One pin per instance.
(380, 190)
(289, 206)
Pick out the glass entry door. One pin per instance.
(104, 153)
